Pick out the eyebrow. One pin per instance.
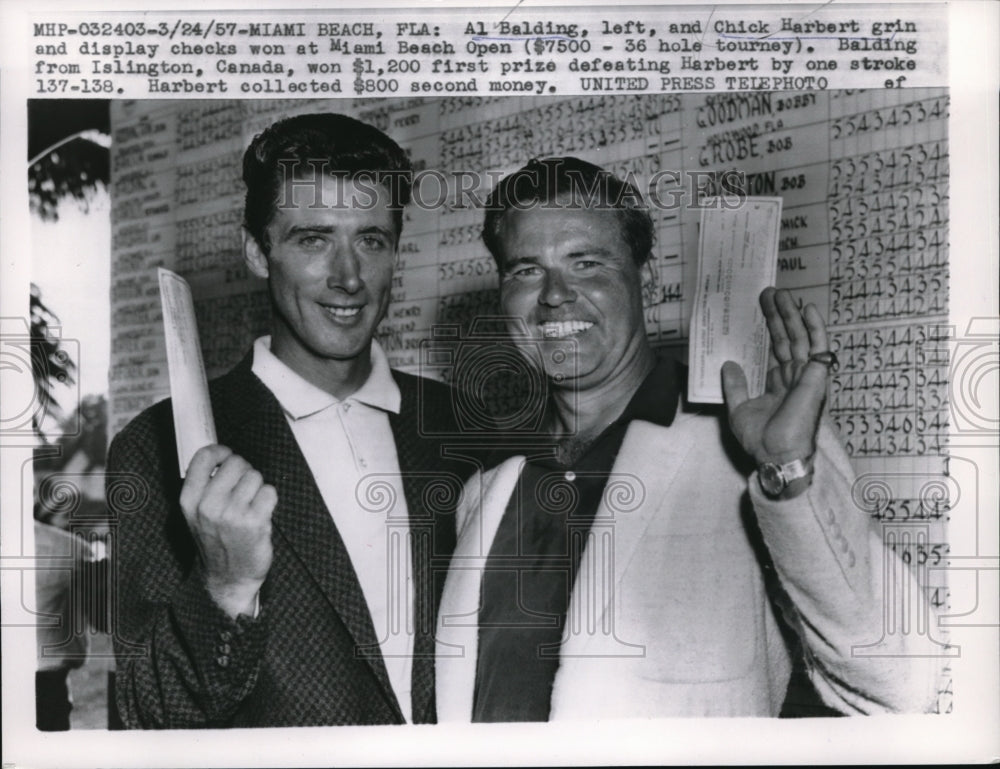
(297, 229)
(326, 229)
(580, 253)
(521, 260)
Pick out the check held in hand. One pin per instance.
(778, 428)
(194, 425)
(737, 259)
(228, 509)
(225, 501)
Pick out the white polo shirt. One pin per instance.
(351, 452)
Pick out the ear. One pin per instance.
(649, 282)
(254, 256)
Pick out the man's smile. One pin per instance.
(564, 328)
(341, 311)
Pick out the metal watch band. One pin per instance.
(796, 469)
(774, 478)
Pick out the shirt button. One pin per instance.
(362, 462)
(850, 559)
(570, 476)
(347, 407)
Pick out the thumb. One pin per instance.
(734, 385)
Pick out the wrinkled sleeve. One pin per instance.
(181, 662)
(865, 623)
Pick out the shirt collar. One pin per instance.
(656, 399)
(300, 398)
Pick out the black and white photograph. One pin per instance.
(500, 385)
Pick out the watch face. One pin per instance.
(771, 478)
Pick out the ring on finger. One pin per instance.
(828, 359)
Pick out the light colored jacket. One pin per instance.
(669, 615)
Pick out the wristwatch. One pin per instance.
(774, 478)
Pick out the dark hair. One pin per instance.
(325, 143)
(542, 182)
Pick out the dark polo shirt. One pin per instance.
(535, 556)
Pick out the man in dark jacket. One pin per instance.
(286, 577)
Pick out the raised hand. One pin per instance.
(228, 508)
(780, 425)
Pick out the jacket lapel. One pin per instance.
(641, 476)
(432, 484)
(422, 535)
(249, 413)
(646, 467)
(482, 509)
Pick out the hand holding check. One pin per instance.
(780, 426)
(228, 509)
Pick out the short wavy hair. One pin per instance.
(546, 181)
(337, 144)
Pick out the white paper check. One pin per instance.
(737, 259)
(193, 422)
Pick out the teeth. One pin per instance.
(557, 330)
(343, 312)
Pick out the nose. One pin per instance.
(345, 271)
(555, 290)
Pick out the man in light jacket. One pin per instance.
(643, 560)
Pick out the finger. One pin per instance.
(734, 385)
(265, 500)
(816, 328)
(219, 489)
(807, 397)
(780, 347)
(776, 380)
(781, 377)
(794, 327)
(246, 488)
(797, 369)
(206, 459)
(199, 471)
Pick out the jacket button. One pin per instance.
(222, 661)
(223, 649)
(225, 636)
